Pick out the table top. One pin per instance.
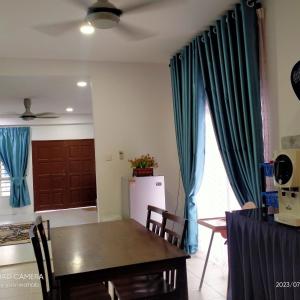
(107, 245)
(216, 224)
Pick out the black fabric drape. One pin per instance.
(264, 259)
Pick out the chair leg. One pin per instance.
(206, 260)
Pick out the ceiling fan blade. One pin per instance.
(9, 115)
(48, 115)
(146, 4)
(58, 28)
(132, 32)
(45, 114)
(83, 4)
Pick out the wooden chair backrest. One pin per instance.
(43, 237)
(152, 224)
(33, 234)
(174, 231)
(176, 234)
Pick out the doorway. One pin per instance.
(63, 174)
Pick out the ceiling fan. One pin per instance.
(103, 15)
(28, 115)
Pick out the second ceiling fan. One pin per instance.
(28, 115)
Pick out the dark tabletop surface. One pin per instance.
(107, 245)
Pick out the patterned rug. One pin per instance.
(12, 234)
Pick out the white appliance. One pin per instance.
(287, 180)
(287, 168)
(138, 193)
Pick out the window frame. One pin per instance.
(5, 182)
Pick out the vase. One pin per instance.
(142, 172)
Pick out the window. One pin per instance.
(215, 196)
(215, 188)
(4, 182)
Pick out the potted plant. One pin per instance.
(143, 165)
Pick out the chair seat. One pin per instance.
(142, 287)
(90, 292)
(99, 288)
(137, 279)
(85, 292)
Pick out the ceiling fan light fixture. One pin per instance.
(27, 118)
(87, 28)
(81, 83)
(103, 20)
(103, 15)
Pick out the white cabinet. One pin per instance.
(138, 193)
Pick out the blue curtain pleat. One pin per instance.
(222, 65)
(218, 108)
(189, 109)
(229, 63)
(250, 30)
(14, 144)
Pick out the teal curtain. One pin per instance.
(229, 59)
(14, 143)
(189, 109)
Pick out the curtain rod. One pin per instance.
(250, 3)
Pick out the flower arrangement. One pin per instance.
(144, 161)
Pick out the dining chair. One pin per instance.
(41, 230)
(174, 229)
(86, 292)
(154, 224)
(153, 215)
(155, 286)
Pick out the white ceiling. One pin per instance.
(48, 94)
(173, 26)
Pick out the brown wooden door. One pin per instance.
(63, 174)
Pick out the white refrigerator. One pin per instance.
(138, 193)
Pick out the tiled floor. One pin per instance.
(18, 282)
(215, 281)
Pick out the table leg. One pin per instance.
(64, 291)
(181, 282)
(206, 260)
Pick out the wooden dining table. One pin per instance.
(106, 251)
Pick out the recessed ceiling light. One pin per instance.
(69, 109)
(82, 83)
(87, 28)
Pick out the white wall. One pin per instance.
(62, 132)
(133, 113)
(132, 108)
(283, 51)
(38, 133)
